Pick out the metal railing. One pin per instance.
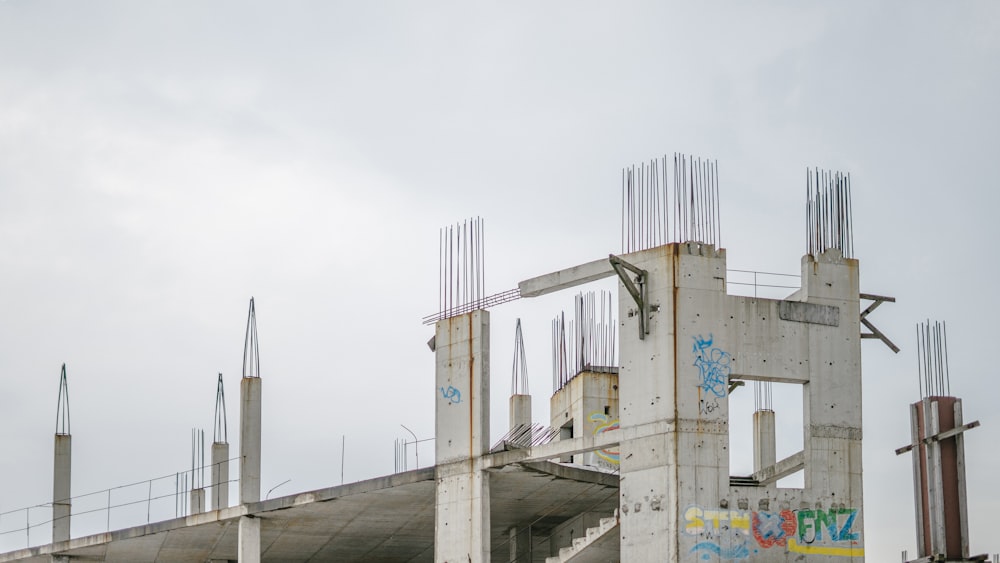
(770, 285)
(131, 504)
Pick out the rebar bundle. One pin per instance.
(461, 267)
(933, 377)
(828, 212)
(519, 372)
(589, 341)
(647, 196)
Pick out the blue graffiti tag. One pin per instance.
(714, 366)
(734, 552)
(453, 395)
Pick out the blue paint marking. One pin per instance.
(714, 366)
(708, 548)
(453, 395)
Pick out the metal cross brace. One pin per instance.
(637, 293)
(876, 333)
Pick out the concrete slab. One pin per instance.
(384, 519)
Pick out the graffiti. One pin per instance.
(734, 552)
(453, 395)
(714, 366)
(708, 407)
(836, 521)
(740, 534)
(773, 528)
(605, 423)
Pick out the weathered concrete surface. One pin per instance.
(462, 429)
(764, 447)
(588, 405)
(220, 475)
(676, 500)
(248, 550)
(520, 410)
(61, 478)
(385, 519)
(197, 501)
(565, 279)
(250, 404)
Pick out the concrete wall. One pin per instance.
(676, 500)
(589, 401)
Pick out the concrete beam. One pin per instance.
(564, 279)
(780, 470)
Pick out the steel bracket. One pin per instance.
(876, 333)
(638, 293)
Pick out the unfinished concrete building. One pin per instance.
(634, 464)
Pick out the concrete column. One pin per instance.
(520, 544)
(462, 429)
(220, 475)
(197, 501)
(520, 410)
(248, 550)
(250, 400)
(61, 503)
(763, 439)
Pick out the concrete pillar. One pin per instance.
(520, 544)
(220, 475)
(197, 501)
(248, 550)
(520, 410)
(462, 430)
(61, 502)
(939, 479)
(250, 400)
(763, 439)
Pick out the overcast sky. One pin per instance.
(161, 162)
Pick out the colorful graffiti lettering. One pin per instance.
(453, 395)
(836, 521)
(773, 528)
(725, 534)
(605, 423)
(714, 366)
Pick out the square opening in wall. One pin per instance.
(765, 426)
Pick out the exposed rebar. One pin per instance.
(62, 406)
(828, 213)
(251, 358)
(220, 431)
(933, 377)
(519, 372)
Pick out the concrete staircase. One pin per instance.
(578, 552)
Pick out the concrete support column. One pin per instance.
(250, 401)
(61, 503)
(197, 501)
(520, 545)
(248, 550)
(763, 439)
(220, 475)
(462, 430)
(520, 410)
